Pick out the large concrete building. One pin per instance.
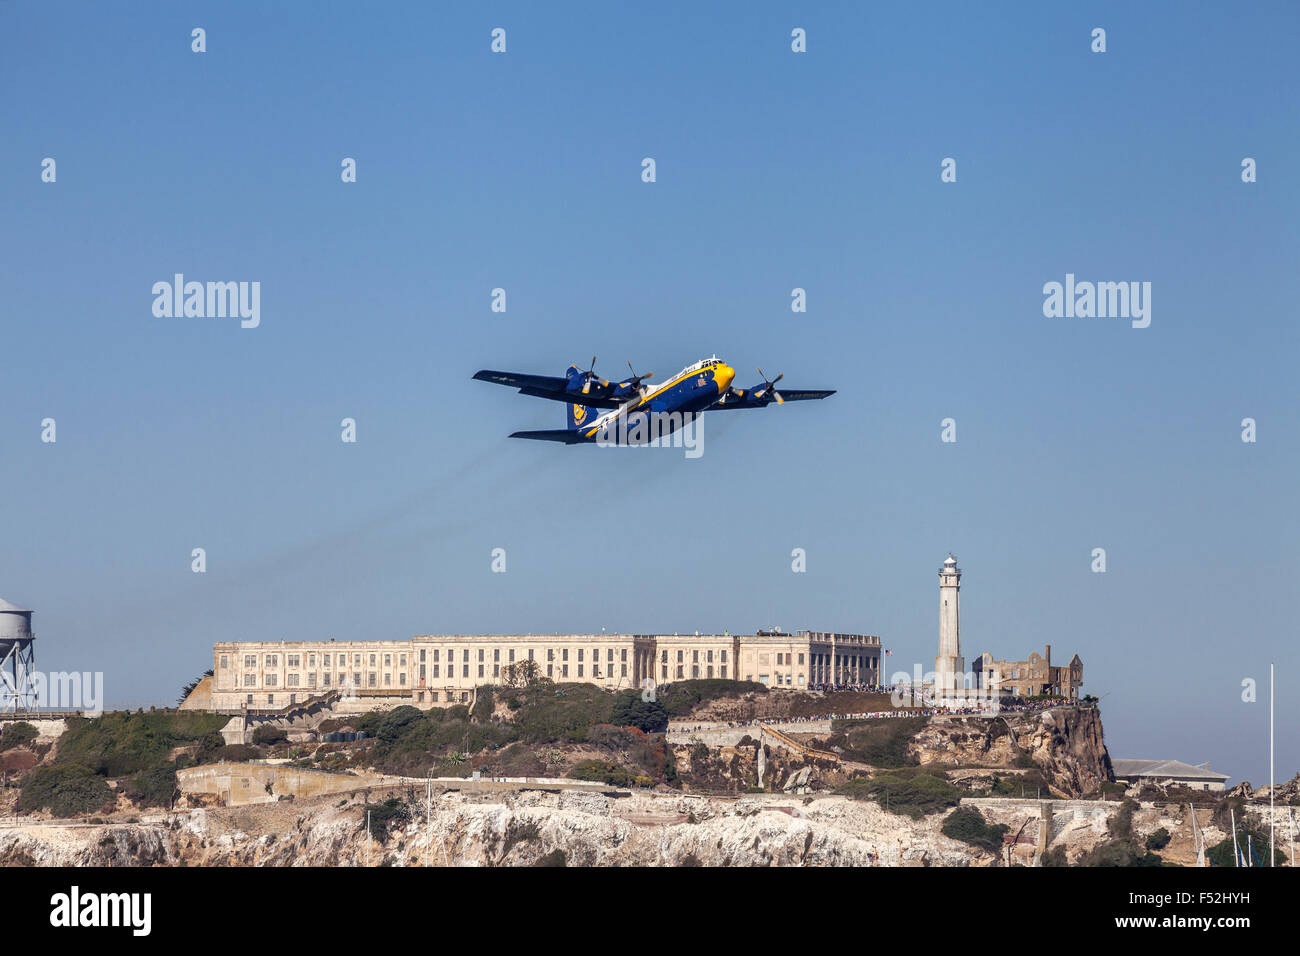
(439, 670)
(1035, 677)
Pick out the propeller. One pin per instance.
(767, 386)
(588, 375)
(635, 381)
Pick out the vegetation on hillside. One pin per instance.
(121, 742)
(912, 794)
(968, 825)
(679, 699)
(881, 743)
(18, 734)
(66, 790)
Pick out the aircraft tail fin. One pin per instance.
(580, 415)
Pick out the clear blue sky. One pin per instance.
(775, 170)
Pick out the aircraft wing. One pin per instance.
(545, 386)
(745, 399)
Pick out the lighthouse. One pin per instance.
(949, 666)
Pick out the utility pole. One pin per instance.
(1271, 785)
(1236, 852)
(367, 838)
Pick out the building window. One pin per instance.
(679, 660)
(496, 670)
(464, 670)
(724, 657)
(480, 670)
(530, 653)
(373, 678)
(512, 655)
(250, 680)
(372, 660)
(223, 661)
(564, 670)
(271, 680)
(579, 666)
(480, 655)
(422, 655)
(709, 670)
(722, 671)
(496, 654)
(550, 654)
(291, 680)
(580, 653)
(623, 654)
(564, 655)
(388, 679)
(250, 700)
(550, 670)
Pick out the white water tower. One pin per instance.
(17, 658)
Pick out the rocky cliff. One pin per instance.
(1065, 744)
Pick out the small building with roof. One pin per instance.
(1169, 772)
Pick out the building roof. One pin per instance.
(6, 606)
(1163, 768)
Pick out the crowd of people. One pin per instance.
(1014, 707)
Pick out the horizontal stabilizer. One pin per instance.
(564, 435)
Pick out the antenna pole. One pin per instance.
(1271, 786)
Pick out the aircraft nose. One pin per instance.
(723, 377)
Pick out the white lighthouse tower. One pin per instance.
(949, 666)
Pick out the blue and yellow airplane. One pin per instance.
(600, 410)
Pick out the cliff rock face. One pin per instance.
(588, 829)
(1066, 744)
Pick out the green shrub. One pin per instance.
(18, 734)
(1158, 840)
(914, 795)
(601, 772)
(267, 735)
(482, 705)
(881, 743)
(1119, 853)
(1252, 841)
(153, 787)
(66, 790)
(680, 698)
(629, 710)
(385, 816)
(120, 743)
(554, 858)
(968, 825)
(1120, 824)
